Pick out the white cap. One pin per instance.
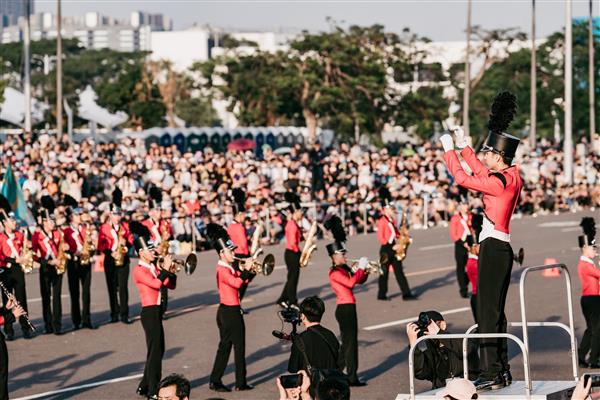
(459, 388)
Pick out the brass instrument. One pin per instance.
(12, 297)
(373, 267)
(119, 254)
(88, 248)
(63, 257)
(252, 264)
(188, 265)
(310, 245)
(165, 243)
(403, 240)
(255, 248)
(27, 255)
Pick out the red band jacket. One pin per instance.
(229, 282)
(43, 246)
(149, 280)
(501, 190)
(386, 230)
(74, 238)
(343, 281)
(459, 227)
(10, 247)
(108, 238)
(292, 236)
(237, 233)
(589, 276)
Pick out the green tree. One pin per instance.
(197, 112)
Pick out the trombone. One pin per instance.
(373, 267)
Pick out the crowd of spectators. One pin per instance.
(342, 180)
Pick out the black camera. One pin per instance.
(291, 315)
(422, 323)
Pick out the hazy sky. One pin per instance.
(438, 20)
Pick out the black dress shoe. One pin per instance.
(243, 388)
(595, 365)
(244, 312)
(126, 321)
(464, 295)
(507, 377)
(48, 330)
(76, 327)
(88, 325)
(357, 383)
(141, 391)
(482, 384)
(113, 320)
(10, 336)
(409, 297)
(218, 387)
(283, 304)
(383, 298)
(27, 334)
(58, 332)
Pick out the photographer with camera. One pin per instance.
(437, 360)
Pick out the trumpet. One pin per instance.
(12, 297)
(373, 267)
(253, 265)
(188, 265)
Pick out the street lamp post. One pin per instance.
(59, 94)
(592, 84)
(27, 67)
(467, 91)
(533, 99)
(568, 143)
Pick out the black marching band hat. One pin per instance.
(71, 206)
(588, 224)
(141, 240)
(293, 201)
(219, 238)
(336, 227)
(502, 113)
(239, 200)
(117, 200)
(47, 209)
(385, 197)
(5, 209)
(154, 197)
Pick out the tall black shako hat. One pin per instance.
(239, 200)
(385, 197)
(48, 207)
(5, 209)
(293, 201)
(218, 237)
(117, 200)
(154, 197)
(588, 224)
(502, 113)
(336, 227)
(141, 238)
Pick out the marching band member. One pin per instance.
(149, 280)
(501, 184)
(12, 275)
(77, 272)
(237, 231)
(460, 228)
(230, 320)
(9, 313)
(114, 235)
(589, 276)
(45, 245)
(292, 251)
(387, 233)
(342, 282)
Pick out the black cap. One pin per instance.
(239, 200)
(154, 197)
(501, 143)
(293, 201)
(434, 315)
(589, 232)
(385, 197)
(141, 236)
(335, 247)
(219, 237)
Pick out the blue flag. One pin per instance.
(13, 193)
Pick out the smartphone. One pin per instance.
(291, 381)
(594, 377)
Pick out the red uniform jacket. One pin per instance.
(292, 236)
(471, 269)
(500, 190)
(229, 282)
(10, 248)
(237, 233)
(44, 247)
(589, 276)
(342, 282)
(457, 228)
(74, 238)
(149, 280)
(386, 230)
(107, 237)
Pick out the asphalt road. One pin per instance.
(106, 363)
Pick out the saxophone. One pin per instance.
(310, 245)
(63, 257)
(119, 254)
(403, 240)
(88, 248)
(27, 255)
(165, 244)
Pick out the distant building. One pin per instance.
(94, 30)
(11, 10)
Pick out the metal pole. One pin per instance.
(467, 91)
(533, 100)
(425, 213)
(193, 232)
(27, 67)
(568, 144)
(591, 72)
(59, 94)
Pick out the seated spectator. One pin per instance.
(174, 387)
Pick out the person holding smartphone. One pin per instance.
(294, 386)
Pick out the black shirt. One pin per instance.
(322, 350)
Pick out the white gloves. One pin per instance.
(447, 142)
(461, 139)
(363, 262)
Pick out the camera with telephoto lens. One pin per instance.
(422, 323)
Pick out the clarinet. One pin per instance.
(10, 296)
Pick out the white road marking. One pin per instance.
(74, 388)
(558, 224)
(437, 246)
(570, 229)
(279, 267)
(407, 320)
(430, 271)
(36, 299)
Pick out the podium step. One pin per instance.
(542, 390)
